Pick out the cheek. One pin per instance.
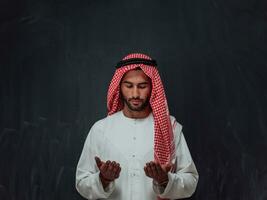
(124, 92)
(146, 93)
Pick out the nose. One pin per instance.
(135, 92)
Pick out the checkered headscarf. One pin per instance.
(163, 138)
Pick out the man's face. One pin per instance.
(136, 90)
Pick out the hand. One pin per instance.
(157, 172)
(109, 171)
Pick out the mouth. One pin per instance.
(135, 102)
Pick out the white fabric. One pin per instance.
(130, 142)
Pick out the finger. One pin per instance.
(159, 169)
(104, 167)
(153, 169)
(149, 170)
(118, 172)
(113, 168)
(146, 172)
(110, 170)
(116, 164)
(98, 161)
(167, 167)
(116, 168)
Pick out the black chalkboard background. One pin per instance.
(57, 58)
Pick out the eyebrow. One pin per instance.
(142, 83)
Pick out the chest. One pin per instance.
(129, 141)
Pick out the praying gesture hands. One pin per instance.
(158, 173)
(109, 171)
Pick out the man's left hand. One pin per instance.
(157, 172)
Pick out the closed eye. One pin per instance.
(142, 85)
(128, 85)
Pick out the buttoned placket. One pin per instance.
(134, 169)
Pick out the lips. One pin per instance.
(136, 101)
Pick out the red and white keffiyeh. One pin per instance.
(163, 138)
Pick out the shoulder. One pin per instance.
(99, 124)
(176, 126)
(177, 130)
(102, 123)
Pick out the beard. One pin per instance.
(142, 105)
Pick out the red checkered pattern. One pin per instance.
(163, 138)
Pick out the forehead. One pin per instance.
(135, 76)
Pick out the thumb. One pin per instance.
(98, 162)
(167, 167)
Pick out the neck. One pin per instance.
(136, 114)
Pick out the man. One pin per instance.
(138, 151)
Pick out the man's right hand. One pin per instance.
(109, 171)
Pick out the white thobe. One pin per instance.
(130, 142)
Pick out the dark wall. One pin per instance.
(57, 58)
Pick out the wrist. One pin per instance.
(105, 182)
(162, 183)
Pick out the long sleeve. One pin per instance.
(183, 182)
(88, 182)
